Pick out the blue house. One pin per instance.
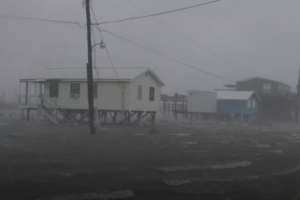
(238, 105)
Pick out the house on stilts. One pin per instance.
(121, 95)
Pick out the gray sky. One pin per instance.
(263, 36)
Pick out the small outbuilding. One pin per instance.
(238, 105)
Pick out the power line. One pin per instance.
(163, 55)
(112, 64)
(77, 23)
(95, 52)
(196, 43)
(162, 13)
(43, 20)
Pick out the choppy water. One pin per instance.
(198, 167)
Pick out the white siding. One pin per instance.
(202, 101)
(108, 96)
(145, 104)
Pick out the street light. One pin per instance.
(101, 44)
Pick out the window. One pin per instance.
(267, 87)
(151, 95)
(249, 103)
(284, 87)
(95, 89)
(253, 103)
(75, 90)
(53, 89)
(139, 94)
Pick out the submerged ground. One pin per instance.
(174, 161)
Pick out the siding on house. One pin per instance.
(257, 85)
(237, 106)
(145, 104)
(108, 96)
(230, 106)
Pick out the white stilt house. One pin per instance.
(126, 91)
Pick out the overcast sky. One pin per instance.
(263, 36)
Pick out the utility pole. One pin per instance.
(175, 109)
(298, 99)
(89, 68)
(3, 104)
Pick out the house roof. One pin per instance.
(235, 95)
(249, 79)
(100, 74)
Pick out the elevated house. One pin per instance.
(238, 105)
(123, 92)
(277, 100)
(263, 86)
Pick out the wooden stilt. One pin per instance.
(125, 117)
(153, 119)
(105, 116)
(129, 117)
(115, 116)
(28, 114)
(139, 118)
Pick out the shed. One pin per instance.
(201, 102)
(123, 89)
(239, 105)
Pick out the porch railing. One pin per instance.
(179, 107)
(28, 100)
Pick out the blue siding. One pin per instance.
(238, 107)
(230, 106)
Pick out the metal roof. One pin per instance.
(235, 95)
(80, 74)
(249, 79)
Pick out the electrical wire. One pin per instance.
(112, 64)
(43, 20)
(95, 52)
(164, 55)
(162, 13)
(83, 27)
(196, 43)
